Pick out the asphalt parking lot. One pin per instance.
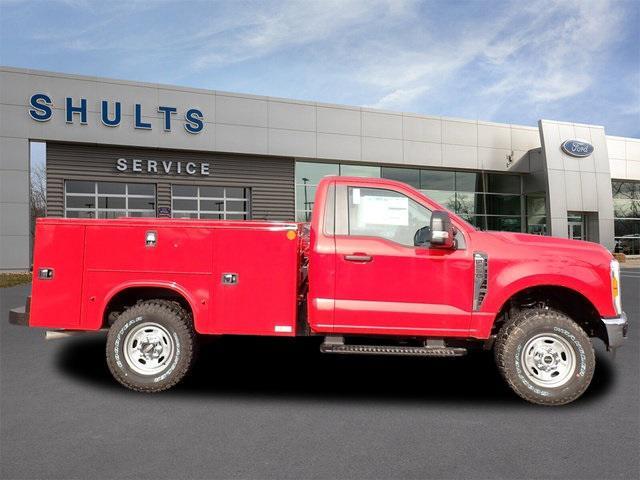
(276, 408)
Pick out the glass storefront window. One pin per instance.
(469, 182)
(537, 225)
(113, 188)
(305, 195)
(444, 198)
(312, 173)
(466, 203)
(575, 217)
(499, 206)
(184, 191)
(503, 183)
(625, 190)
(494, 222)
(80, 201)
(114, 203)
(80, 214)
(410, 176)
(360, 171)
(86, 199)
(627, 235)
(307, 176)
(505, 224)
(626, 212)
(536, 205)
(437, 180)
(624, 208)
(211, 203)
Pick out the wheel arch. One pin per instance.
(565, 299)
(128, 294)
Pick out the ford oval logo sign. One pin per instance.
(577, 148)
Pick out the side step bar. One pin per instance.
(58, 334)
(336, 345)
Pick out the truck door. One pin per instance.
(386, 285)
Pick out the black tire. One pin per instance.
(170, 325)
(521, 332)
(173, 305)
(177, 308)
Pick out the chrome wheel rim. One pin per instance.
(148, 348)
(549, 360)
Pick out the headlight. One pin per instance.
(615, 286)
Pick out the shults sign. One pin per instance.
(41, 110)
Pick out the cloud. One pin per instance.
(541, 53)
(267, 28)
(558, 57)
(400, 96)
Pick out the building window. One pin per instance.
(626, 212)
(489, 201)
(211, 203)
(309, 174)
(537, 214)
(109, 199)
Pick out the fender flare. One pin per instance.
(173, 286)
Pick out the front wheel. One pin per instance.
(150, 346)
(545, 357)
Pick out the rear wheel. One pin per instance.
(545, 357)
(150, 346)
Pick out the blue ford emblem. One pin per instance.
(577, 148)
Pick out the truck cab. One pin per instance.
(369, 273)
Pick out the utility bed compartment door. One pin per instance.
(254, 281)
(55, 301)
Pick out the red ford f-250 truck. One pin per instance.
(382, 269)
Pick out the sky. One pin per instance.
(507, 62)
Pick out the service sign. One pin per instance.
(577, 148)
(161, 167)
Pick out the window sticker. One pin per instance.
(384, 210)
(356, 196)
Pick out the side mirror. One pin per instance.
(442, 230)
(422, 237)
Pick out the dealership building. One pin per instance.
(120, 148)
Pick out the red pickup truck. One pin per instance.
(381, 269)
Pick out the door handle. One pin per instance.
(358, 258)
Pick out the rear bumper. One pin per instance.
(20, 315)
(617, 329)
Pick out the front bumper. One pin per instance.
(617, 329)
(20, 315)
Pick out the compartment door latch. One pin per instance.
(229, 278)
(45, 273)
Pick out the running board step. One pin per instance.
(393, 350)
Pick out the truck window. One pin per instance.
(384, 213)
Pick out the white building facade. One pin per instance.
(117, 148)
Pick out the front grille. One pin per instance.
(480, 279)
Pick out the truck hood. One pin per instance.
(530, 246)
